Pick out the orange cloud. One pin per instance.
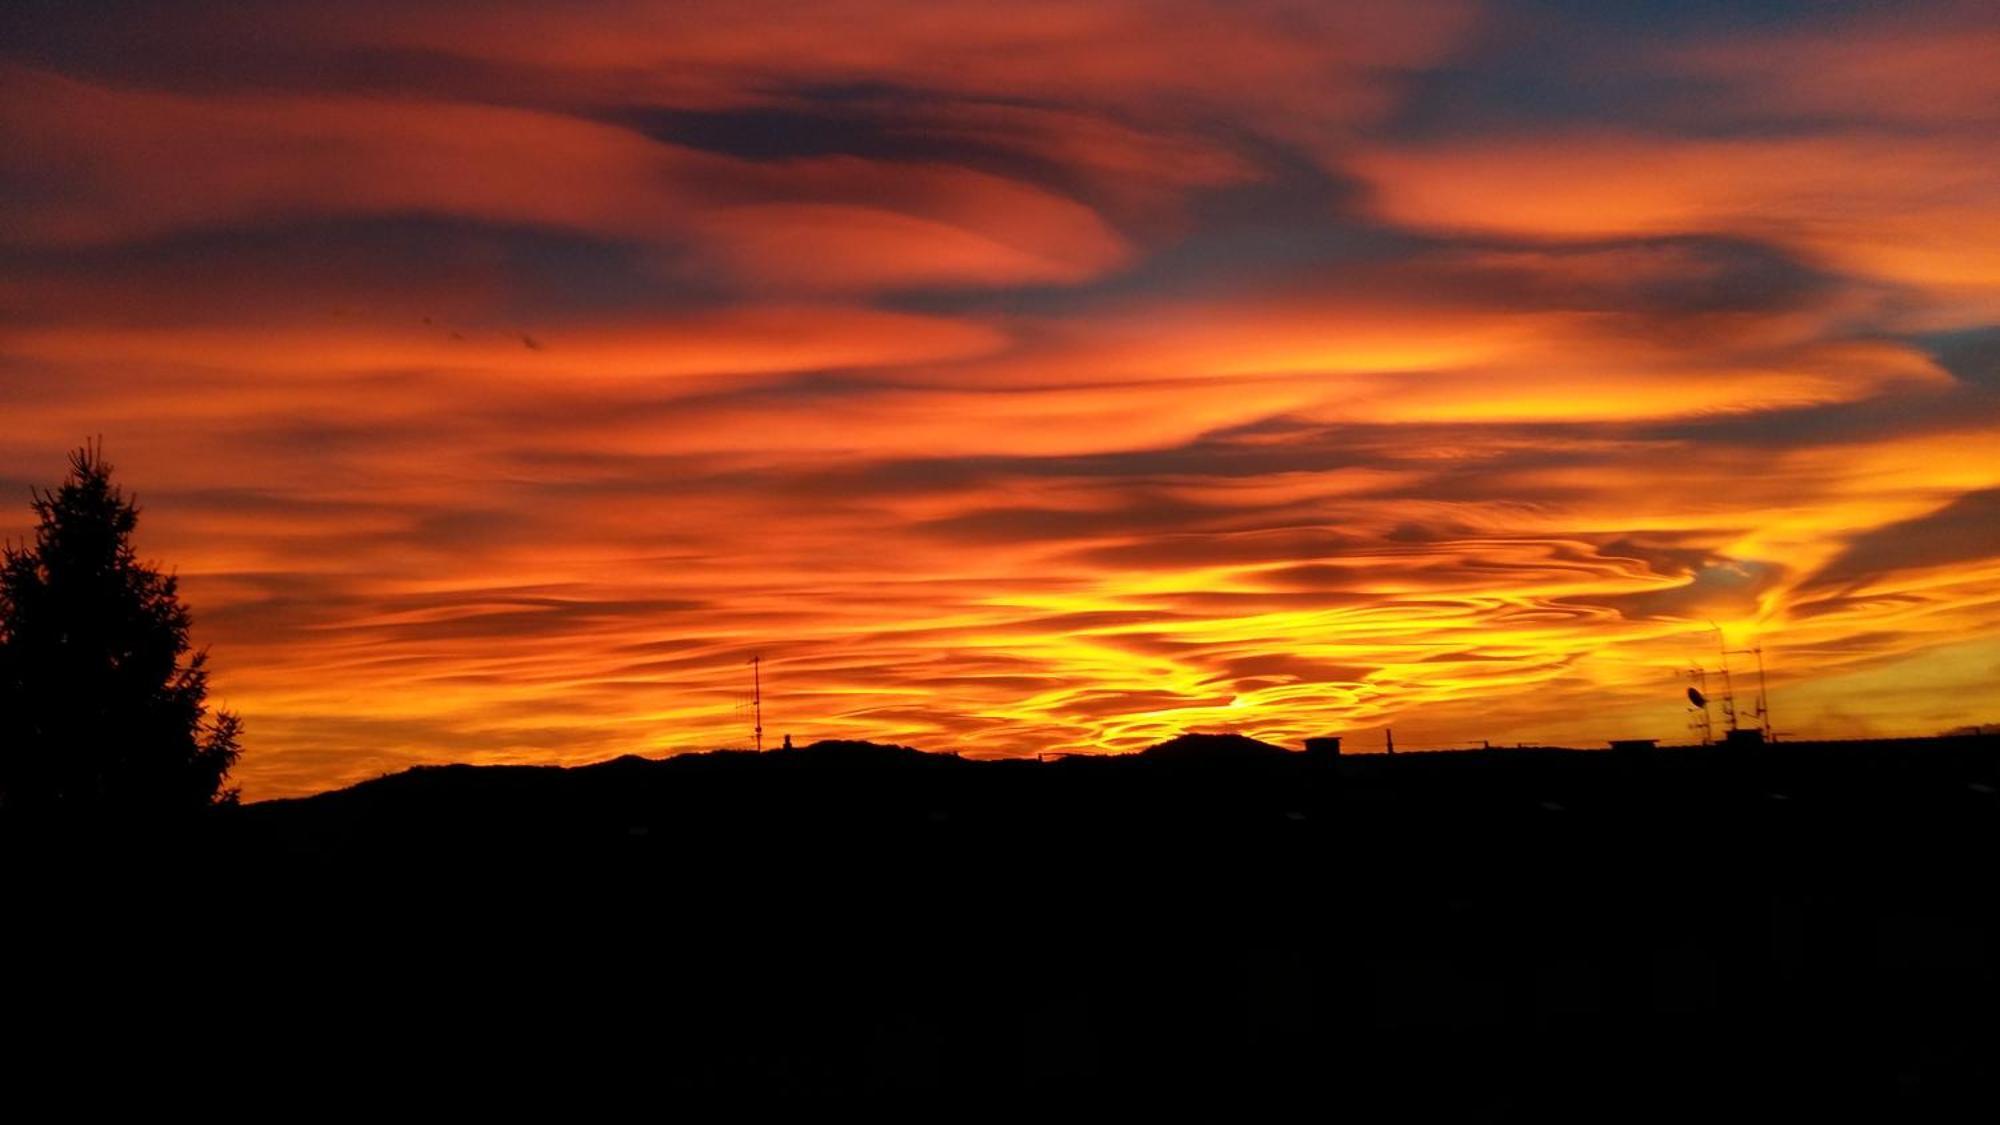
(136, 165)
(1919, 211)
(752, 341)
(1932, 70)
(1314, 65)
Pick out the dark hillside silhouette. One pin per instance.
(102, 707)
(1800, 927)
(1195, 747)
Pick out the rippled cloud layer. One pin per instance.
(1047, 376)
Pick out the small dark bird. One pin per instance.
(530, 343)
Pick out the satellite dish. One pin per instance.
(1697, 698)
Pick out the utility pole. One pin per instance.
(757, 700)
(1391, 733)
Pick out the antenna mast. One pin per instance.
(1763, 698)
(757, 700)
(1762, 708)
(1728, 684)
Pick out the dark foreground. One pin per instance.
(1798, 928)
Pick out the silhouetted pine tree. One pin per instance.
(102, 707)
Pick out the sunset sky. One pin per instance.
(500, 376)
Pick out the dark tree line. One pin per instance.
(103, 701)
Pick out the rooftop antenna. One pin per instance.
(1763, 711)
(1763, 700)
(1699, 719)
(1728, 685)
(757, 701)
